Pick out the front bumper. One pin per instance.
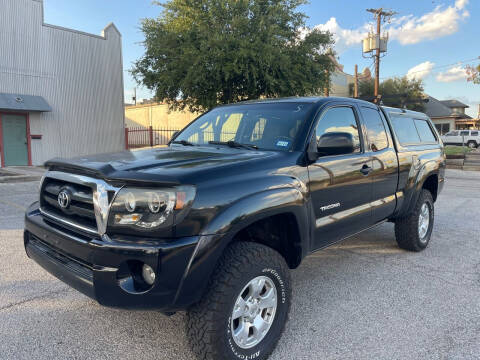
(106, 269)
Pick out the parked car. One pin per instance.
(213, 223)
(470, 138)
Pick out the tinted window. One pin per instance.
(405, 130)
(425, 132)
(271, 126)
(377, 137)
(464, 133)
(474, 133)
(339, 119)
(453, 133)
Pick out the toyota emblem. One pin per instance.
(64, 199)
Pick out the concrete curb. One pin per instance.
(19, 178)
(471, 167)
(455, 162)
(20, 174)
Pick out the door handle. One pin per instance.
(365, 170)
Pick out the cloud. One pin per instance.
(344, 38)
(420, 71)
(409, 29)
(435, 24)
(455, 73)
(460, 4)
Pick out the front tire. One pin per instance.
(245, 308)
(413, 232)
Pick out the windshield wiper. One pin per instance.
(183, 142)
(234, 144)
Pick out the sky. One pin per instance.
(428, 39)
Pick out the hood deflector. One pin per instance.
(107, 172)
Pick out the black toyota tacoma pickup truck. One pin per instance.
(213, 222)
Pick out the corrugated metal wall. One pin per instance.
(80, 75)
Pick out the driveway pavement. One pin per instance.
(363, 299)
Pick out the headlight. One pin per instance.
(146, 208)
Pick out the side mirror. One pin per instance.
(336, 143)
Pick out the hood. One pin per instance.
(170, 165)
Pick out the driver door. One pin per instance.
(340, 185)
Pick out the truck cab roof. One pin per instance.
(393, 111)
(303, 99)
(322, 99)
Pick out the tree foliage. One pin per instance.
(397, 92)
(200, 53)
(473, 73)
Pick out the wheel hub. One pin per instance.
(254, 312)
(423, 221)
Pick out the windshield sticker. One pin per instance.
(283, 143)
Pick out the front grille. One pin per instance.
(80, 211)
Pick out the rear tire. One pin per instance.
(472, 144)
(215, 324)
(413, 232)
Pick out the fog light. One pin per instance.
(148, 274)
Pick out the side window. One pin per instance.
(405, 130)
(464, 133)
(425, 132)
(376, 134)
(453, 133)
(339, 120)
(474, 133)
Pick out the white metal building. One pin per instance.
(61, 90)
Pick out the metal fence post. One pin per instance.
(126, 138)
(150, 130)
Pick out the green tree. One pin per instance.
(473, 73)
(397, 92)
(200, 53)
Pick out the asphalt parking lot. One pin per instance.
(363, 299)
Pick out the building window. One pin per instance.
(442, 128)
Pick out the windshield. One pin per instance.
(272, 126)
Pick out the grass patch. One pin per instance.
(456, 150)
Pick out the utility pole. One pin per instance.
(379, 15)
(135, 95)
(377, 54)
(355, 83)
